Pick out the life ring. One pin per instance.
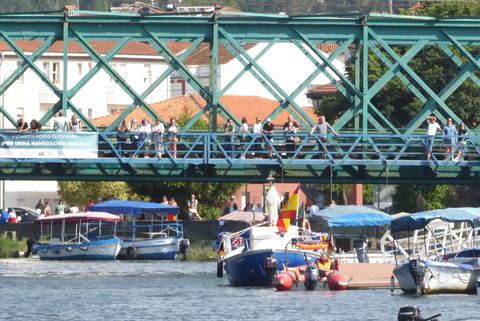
(131, 252)
(311, 246)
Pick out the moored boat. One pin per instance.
(149, 231)
(426, 276)
(252, 257)
(80, 236)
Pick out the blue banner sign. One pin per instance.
(48, 145)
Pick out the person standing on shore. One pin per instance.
(192, 208)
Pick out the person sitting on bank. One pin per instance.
(325, 266)
(192, 208)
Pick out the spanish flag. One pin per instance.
(289, 212)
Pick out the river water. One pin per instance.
(31, 289)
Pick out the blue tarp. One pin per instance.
(351, 215)
(134, 207)
(419, 220)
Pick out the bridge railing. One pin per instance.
(213, 148)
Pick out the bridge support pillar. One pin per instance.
(356, 196)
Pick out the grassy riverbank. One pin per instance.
(200, 251)
(8, 246)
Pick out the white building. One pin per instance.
(140, 65)
(285, 63)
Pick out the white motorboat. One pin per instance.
(429, 276)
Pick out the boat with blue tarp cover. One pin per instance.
(79, 236)
(149, 231)
(455, 272)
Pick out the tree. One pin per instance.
(76, 193)
(405, 199)
(212, 196)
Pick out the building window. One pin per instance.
(20, 111)
(80, 68)
(121, 70)
(147, 74)
(56, 72)
(90, 113)
(52, 71)
(90, 66)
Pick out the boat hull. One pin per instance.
(94, 250)
(152, 249)
(431, 277)
(248, 268)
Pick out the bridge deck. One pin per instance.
(218, 157)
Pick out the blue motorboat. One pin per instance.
(252, 257)
(80, 236)
(149, 231)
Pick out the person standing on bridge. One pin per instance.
(158, 130)
(22, 125)
(450, 138)
(60, 123)
(432, 127)
(257, 131)
(172, 132)
(322, 128)
(229, 130)
(122, 134)
(267, 130)
(75, 125)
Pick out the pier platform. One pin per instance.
(368, 275)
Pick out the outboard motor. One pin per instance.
(412, 313)
(30, 250)
(311, 277)
(184, 246)
(271, 265)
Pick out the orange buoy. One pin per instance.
(337, 282)
(283, 281)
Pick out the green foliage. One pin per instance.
(76, 193)
(9, 246)
(211, 196)
(436, 196)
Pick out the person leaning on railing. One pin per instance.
(322, 128)
(122, 134)
(462, 142)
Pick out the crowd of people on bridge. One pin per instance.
(145, 138)
(454, 140)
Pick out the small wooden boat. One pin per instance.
(80, 236)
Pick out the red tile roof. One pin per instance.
(201, 56)
(240, 106)
(101, 47)
(323, 89)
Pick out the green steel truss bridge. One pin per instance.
(369, 148)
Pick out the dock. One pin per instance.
(368, 275)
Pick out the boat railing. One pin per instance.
(310, 240)
(434, 243)
(152, 228)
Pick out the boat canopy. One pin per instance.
(134, 207)
(244, 217)
(77, 217)
(352, 215)
(419, 220)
